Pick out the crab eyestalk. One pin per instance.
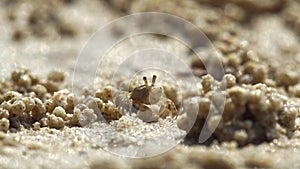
(153, 80)
(145, 80)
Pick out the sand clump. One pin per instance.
(253, 113)
(28, 101)
(42, 20)
(31, 102)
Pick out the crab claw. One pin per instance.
(155, 95)
(152, 113)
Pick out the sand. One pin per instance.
(258, 44)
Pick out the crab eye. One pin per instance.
(153, 80)
(145, 80)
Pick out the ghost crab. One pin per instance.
(150, 102)
(147, 101)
